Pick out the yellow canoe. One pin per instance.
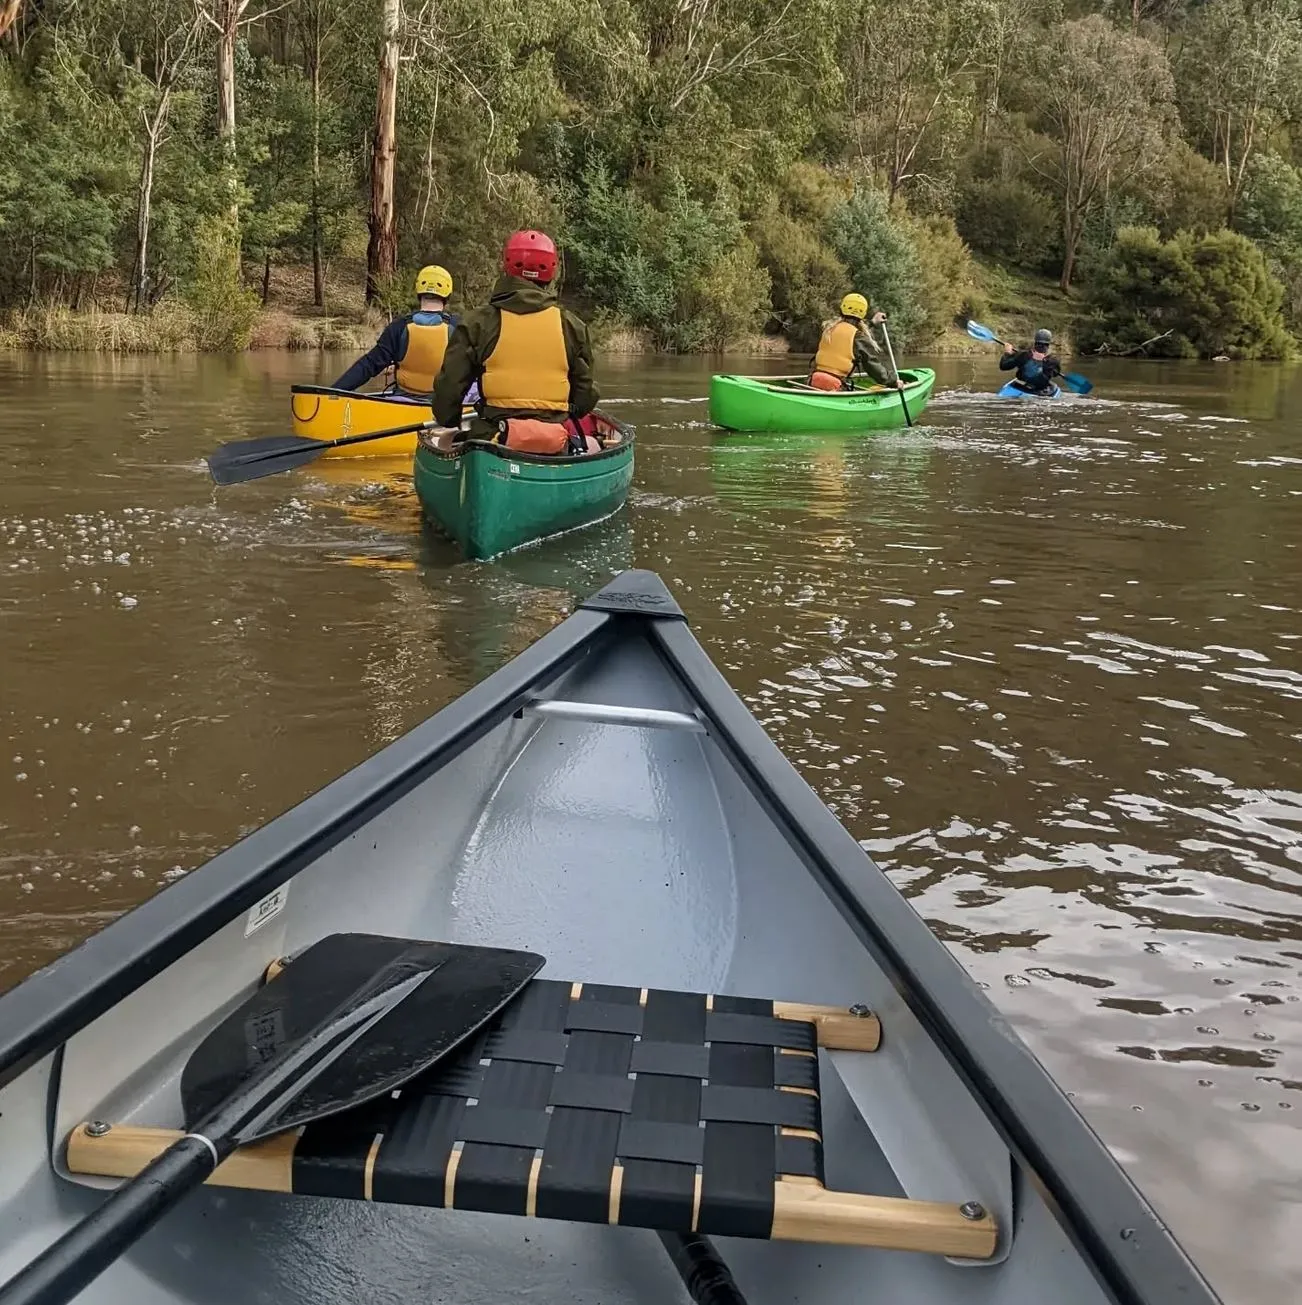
(322, 413)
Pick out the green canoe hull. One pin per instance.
(490, 499)
(786, 404)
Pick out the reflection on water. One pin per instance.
(1042, 659)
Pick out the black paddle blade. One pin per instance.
(250, 459)
(352, 1018)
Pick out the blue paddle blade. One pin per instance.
(1076, 383)
(979, 332)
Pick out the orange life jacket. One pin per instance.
(528, 369)
(836, 349)
(422, 359)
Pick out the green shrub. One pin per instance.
(947, 287)
(880, 256)
(1008, 219)
(729, 298)
(1270, 212)
(1213, 293)
(682, 271)
(808, 279)
(225, 312)
(1193, 196)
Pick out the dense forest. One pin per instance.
(713, 168)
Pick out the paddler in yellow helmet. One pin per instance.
(850, 345)
(413, 345)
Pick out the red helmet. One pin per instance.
(530, 254)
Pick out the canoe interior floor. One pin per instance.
(603, 1104)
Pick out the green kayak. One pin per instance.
(491, 499)
(789, 403)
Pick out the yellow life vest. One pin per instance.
(423, 358)
(528, 370)
(836, 349)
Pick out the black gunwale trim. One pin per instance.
(379, 396)
(425, 444)
(1091, 1194)
(47, 1008)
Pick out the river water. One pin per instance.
(1045, 661)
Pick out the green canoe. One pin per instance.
(491, 499)
(789, 403)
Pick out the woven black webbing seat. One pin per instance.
(665, 1110)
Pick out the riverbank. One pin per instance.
(1014, 305)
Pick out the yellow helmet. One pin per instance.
(434, 280)
(854, 306)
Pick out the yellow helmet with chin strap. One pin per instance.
(854, 306)
(434, 280)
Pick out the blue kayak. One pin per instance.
(1014, 391)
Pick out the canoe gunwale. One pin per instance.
(913, 378)
(46, 1009)
(396, 397)
(427, 443)
(1107, 1218)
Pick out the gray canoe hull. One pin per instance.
(627, 853)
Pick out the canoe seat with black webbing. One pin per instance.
(665, 1110)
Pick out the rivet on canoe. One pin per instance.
(972, 1210)
(97, 1128)
(860, 1011)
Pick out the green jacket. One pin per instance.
(476, 336)
(869, 359)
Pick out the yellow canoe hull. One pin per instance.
(321, 413)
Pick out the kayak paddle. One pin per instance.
(252, 459)
(351, 1019)
(890, 353)
(1074, 381)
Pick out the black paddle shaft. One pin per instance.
(705, 1275)
(81, 1255)
(890, 353)
(353, 1018)
(243, 460)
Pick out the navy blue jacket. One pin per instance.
(389, 351)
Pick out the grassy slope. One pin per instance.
(1018, 304)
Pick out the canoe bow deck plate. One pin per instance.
(599, 1104)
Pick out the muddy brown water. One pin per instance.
(1045, 661)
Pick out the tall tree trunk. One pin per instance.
(382, 249)
(138, 292)
(8, 14)
(318, 266)
(266, 280)
(227, 14)
(1070, 243)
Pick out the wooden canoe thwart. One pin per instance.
(606, 802)
(802, 1212)
(512, 1126)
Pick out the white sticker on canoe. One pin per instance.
(267, 909)
(515, 468)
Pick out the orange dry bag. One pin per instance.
(529, 435)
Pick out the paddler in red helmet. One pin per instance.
(531, 357)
